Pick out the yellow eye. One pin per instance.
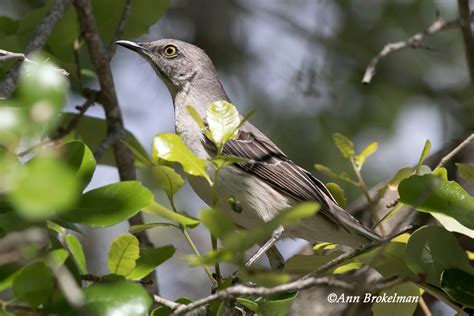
(170, 51)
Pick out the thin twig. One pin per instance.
(37, 41)
(165, 302)
(455, 151)
(424, 307)
(121, 27)
(108, 142)
(243, 290)
(414, 41)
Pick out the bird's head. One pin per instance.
(176, 62)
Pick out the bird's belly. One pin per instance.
(254, 201)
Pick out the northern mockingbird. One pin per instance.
(269, 184)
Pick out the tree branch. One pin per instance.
(37, 41)
(414, 41)
(100, 59)
(455, 151)
(309, 280)
(121, 27)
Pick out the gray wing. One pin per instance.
(270, 164)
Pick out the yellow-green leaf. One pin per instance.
(345, 145)
(223, 120)
(170, 147)
(366, 153)
(424, 154)
(338, 193)
(160, 210)
(123, 255)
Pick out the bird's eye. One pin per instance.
(170, 51)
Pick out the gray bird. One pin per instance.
(267, 185)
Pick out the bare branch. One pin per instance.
(38, 39)
(414, 41)
(455, 151)
(100, 59)
(166, 302)
(107, 142)
(309, 280)
(6, 56)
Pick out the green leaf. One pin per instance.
(46, 187)
(466, 171)
(401, 174)
(138, 228)
(7, 275)
(92, 130)
(432, 249)
(338, 193)
(300, 264)
(75, 247)
(118, 299)
(223, 120)
(222, 161)
(196, 117)
(328, 172)
(388, 260)
(166, 311)
(408, 291)
(80, 158)
(424, 154)
(33, 284)
(111, 204)
(218, 222)
(168, 179)
(150, 258)
(459, 285)
(170, 147)
(139, 156)
(345, 145)
(159, 210)
(432, 194)
(56, 258)
(276, 305)
(366, 153)
(123, 254)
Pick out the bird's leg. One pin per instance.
(277, 262)
(269, 244)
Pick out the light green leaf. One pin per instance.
(111, 204)
(139, 228)
(338, 193)
(459, 285)
(118, 299)
(222, 161)
(168, 179)
(196, 117)
(46, 187)
(150, 258)
(144, 159)
(159, 210)
(431, 250)
(408, 291)
(453, 225)
(218, 222)
(466, 171)
(432, 194)
(170, 147)
(401, 174)
(424, 154)
(275, 305)
(80, 158)
(33, 284)
(123, 255)
(223, 120)
(75, 247)
(366, 153)
(345, 145)
(56, 258)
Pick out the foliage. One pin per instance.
(44, 188)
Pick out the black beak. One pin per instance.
(132, 46)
